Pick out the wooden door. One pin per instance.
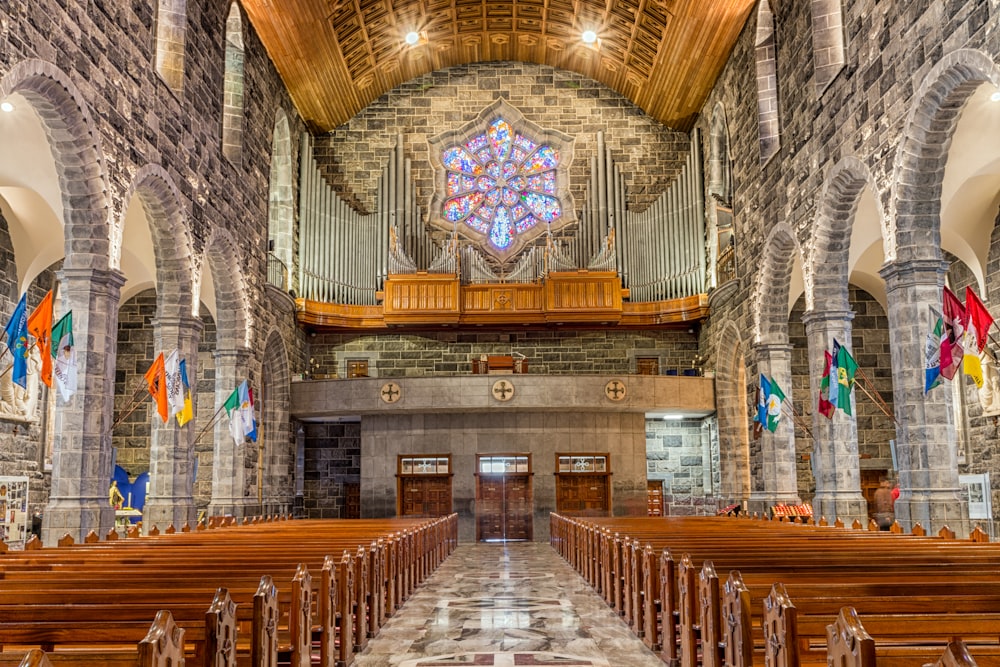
(504, 501)
(425, 496)
(582, 495)
(870, 480)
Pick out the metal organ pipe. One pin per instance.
(699, 213)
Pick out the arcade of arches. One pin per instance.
(606, 289)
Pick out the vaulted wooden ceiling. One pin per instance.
(337, 56)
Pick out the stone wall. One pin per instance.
(684, 455)
(547, 352)
(649, 154)
(332, 459)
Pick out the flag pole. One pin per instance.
(799, 419)
(877, 401)
(133, 403)
(210, 424)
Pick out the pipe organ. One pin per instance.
(349, 260)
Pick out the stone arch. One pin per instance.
(915, 224)
(732, 406)
(232, 316)
(766, 59)
(281, 213)
(277, 449)
(828, 41)
(831, 237)
(232, 100)
(79, 158)
(781, 249)
(172, 245)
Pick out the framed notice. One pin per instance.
(14, 511)
(977, 487)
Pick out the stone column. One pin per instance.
(835, 441)
(778, 448)
(925, 435)
(299, 502)
(81, 464)
(171, 456)
(230, 492)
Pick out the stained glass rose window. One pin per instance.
(501, 184)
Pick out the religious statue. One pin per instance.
(989, 393)
(115, 497)
(17, 402)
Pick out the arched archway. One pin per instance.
(914, 275)
(734, 426)
(276, 448)
(281, 213)
(89, 286)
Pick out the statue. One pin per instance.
(17, 402)
(989, 393)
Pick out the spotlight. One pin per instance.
(589, 36)
(995, 97)
(412, 38)
(6, 107)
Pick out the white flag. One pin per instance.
(64, 356)
(175, 387)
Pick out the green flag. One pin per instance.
(846, 368)
(774, 406)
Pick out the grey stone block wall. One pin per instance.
(547, 352)
(333, 459)
(684, 455)
(352, 155)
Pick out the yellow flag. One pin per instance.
(970, 360)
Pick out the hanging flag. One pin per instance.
(17, 342)
(232, 406)
(763, 394)
(971, 365)
(40, 326)
(833, 393)
(951, 339)
(774, 401)
(156, 383)
(846, 368)
(175, 389)
(246, 407)
(932, 369)
(826, 408)
(64, 356)
(239, 407)
(979, 318)
(186, 413)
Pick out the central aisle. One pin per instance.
(505, 605)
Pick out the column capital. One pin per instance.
(768, 349)
(111, 278)
(816, 317)
(237, 355)
(901, 273)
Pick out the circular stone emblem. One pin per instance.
(615, 390)
(390, 392)
(503, 390)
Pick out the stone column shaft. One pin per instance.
(171, 457)
(925, 445)
(81, 465)
(778, 448)
(229, 480)
(835, 461)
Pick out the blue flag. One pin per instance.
(17, 342)
(763, 397)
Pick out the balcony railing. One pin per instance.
(277, 272)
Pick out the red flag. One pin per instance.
(156, 383)
(951, 339)
(826, 408)
(978, 315)
(40, 326)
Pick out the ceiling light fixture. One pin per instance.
(589, 36)
(995, 97)
(412, 38)
(6, 107)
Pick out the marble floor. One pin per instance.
(505, 605)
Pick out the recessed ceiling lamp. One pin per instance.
(589, 36)
(6, 107)
(995, 97)
(412, 38)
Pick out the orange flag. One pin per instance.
(40, 326)
(156, 383)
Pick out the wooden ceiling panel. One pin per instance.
(336, 56)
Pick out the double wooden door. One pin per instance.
(425, 496)
(504, 501)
